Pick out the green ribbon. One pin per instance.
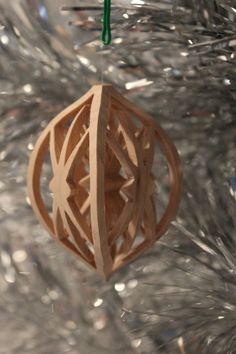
(106, 30)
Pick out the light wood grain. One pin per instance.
(102, 151)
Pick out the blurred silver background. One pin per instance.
(177, 60)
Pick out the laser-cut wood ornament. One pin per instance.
(102, 151)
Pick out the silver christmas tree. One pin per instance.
(177, 60)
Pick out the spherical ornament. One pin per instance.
(102, 152)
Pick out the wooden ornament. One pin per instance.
(102, 150)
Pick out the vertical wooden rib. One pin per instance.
(97, 141)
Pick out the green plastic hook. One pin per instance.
(106, 31)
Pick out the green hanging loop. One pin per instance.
(106, 31)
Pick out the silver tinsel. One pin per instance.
(176, 59)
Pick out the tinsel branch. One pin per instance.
(177, 60)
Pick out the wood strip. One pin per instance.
(33, 181)
(80, 242)
(124, 161)
(98, 122)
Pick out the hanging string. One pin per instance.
(106, 31)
